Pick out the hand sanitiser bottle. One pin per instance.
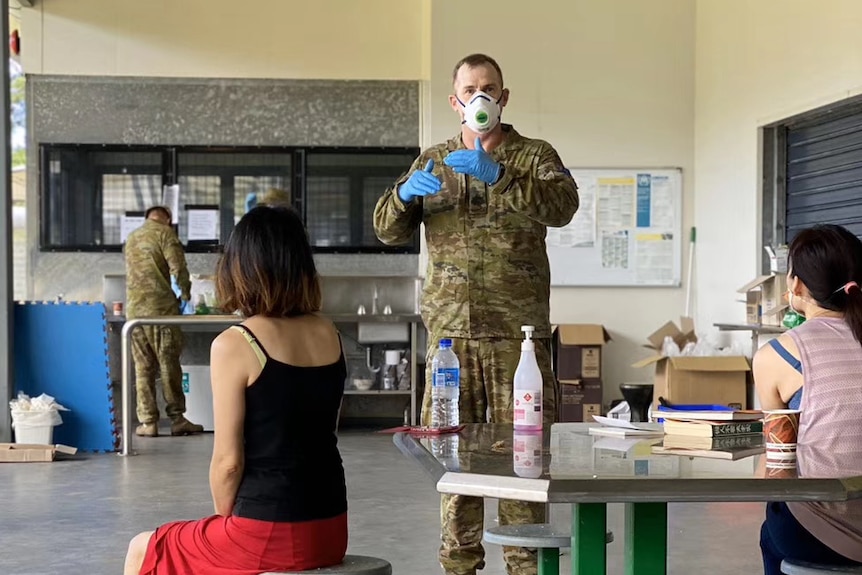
(528, 386)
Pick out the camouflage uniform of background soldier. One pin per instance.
(487, 275)
(153, 254)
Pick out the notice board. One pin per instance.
(627, 231)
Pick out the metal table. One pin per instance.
(197, 322)
(589, 472)
(216, 323)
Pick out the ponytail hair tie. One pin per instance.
(850, 285)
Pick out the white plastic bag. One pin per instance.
(42, 411)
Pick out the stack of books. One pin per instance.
(717, 434)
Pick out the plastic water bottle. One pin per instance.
(446, 386)
(528, 386)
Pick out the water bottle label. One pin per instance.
(528, 407)
(447, 377)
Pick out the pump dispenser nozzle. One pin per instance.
(527, 344)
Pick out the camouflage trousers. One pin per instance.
(157, 350)
(487, 371)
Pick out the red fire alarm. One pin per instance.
(15, 43)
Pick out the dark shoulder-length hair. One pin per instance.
(828, 260)
(267, 267)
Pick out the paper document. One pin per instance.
(128, 224)
(171, 200)
(203, 224)
(628, 426)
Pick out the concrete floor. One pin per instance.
(76, 517)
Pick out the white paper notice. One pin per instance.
(203, 224)
(171, 200)
(654, 257)
(128, 224)
(616, 199)
(615, 249)
(581, 231)
(661, 203)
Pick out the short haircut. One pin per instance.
(267, 267)
(155, 209)
(474, 60)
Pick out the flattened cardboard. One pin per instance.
(753, 284)
(681, 334)
(763, 295)
(775, 317)
(32, 453)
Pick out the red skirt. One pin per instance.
(220, 545)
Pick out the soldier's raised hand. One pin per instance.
(476, 163)
(420, 183)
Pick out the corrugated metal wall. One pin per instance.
(824, 174)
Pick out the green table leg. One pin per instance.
(589, 548)
(646, 538)
(549, 561)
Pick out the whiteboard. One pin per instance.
(627, 231)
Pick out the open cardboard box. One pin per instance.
(719, 380)
(29, 453)
(764, 298)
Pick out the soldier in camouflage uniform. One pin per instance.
(153, 254)
(486, 198)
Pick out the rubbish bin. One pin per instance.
(199, 395)
(33, 420)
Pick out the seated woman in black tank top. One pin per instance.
(276, 475)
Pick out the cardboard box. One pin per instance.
(764, 299)
(681, 334)
(719, 380)
(30, 453)
(777, 258)
(578, 351)
(580, 400)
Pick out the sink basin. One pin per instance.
(368, 332)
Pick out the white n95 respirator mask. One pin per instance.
(481, 112)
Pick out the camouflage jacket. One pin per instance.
(488, 271)
(153, 254)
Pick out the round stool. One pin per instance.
(791, 567)
(352, 565)
(547, 538)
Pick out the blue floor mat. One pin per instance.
(61, 349)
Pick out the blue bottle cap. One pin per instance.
(444, 343)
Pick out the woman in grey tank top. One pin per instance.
(817, 366)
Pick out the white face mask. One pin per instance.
(481, 112)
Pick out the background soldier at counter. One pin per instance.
(486, 198)
(153, 254)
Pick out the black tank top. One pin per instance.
(293, 469)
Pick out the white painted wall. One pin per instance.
(608, 83)
(331, 39)
(757, 62)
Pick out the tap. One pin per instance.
(374, 301)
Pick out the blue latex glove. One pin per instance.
(420, 183)
(186, 307)
(476, 163)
